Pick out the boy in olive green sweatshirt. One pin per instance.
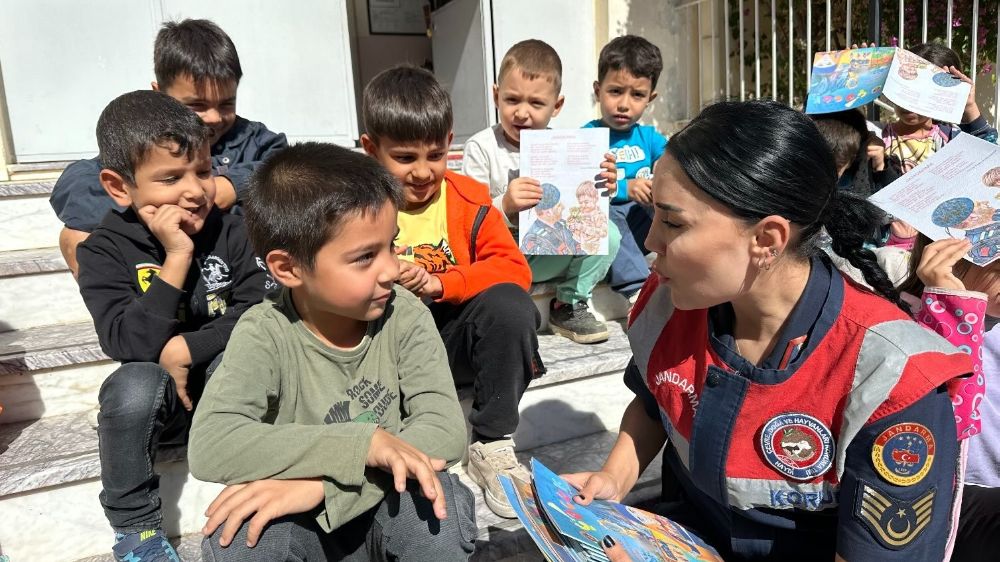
(333, 413)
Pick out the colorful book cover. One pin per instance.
(522, 499)
(952, 194)
(851, 78)
(572, 216)
(645, 536)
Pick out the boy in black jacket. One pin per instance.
(165, 281)
(196, 63)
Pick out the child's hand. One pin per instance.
(594, 486)
(876, 152)
(937, 263)
(412, 276)
(175, 358)
(609, 174)
(522, 193)
(971, 112)
(433, 289)
(166, 223)
(266, 500)
(402, 460)
(641, 191)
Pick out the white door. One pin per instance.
(463, 62)
(62, 61)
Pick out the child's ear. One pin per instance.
(369, 145)
(154, 86)
(284, 268)
(652, 97)
(451, 137)
(597, 88)
(559, 104)
(496, 95)
(116, 187)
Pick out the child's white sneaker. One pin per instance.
(486, 461)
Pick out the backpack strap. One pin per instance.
(476, 224)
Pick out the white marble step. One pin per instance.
(37, 289)
(50, 371)
(499, 540)
(28, 220)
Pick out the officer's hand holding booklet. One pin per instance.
(566, 531)
(953, 194)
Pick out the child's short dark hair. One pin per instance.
(195, 48)
(845, 132)
(632, 53)
(133, 123)
(299, 197)
(406, 104)
(938, 54)
(535, 59)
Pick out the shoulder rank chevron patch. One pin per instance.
(893, 522)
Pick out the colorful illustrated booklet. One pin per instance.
(854, 77)
(568, 532)
(953, 194)
(572, 217)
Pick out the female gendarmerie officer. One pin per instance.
(804, 417)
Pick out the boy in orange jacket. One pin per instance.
(458, 255)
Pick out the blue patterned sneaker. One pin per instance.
(144, 546)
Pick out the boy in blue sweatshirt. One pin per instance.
(627, 71)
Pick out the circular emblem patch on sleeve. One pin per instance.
(798, 446)
(903, 453)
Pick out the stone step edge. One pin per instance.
(26, 189)
(16, 263)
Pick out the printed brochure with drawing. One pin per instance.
(568, 532)
(854, 77)
(572, 216)
(953, 194)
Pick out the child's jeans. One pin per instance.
(629, 270)
(139, 411)
(492, 345)
(401, 528)
(575, 276)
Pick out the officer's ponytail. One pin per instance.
(852, 222)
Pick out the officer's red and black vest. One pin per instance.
(872, 361)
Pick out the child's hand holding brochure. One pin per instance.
(566, 531)
(854, 77)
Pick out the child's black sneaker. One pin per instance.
(144, 546)
(576, 322)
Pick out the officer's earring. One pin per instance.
(762, 263)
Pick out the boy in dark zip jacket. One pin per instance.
(196, 63)
(165, 281)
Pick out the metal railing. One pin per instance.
(728, 28)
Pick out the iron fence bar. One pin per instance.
(701, 61)
(743, 81)
(756, 47)
(923, 28)
(727, 54)
(829, 24)
(975, 37)
(791, 55)
(715, 52)
(774, 51)
(809, 34)
(902, 21)
(950, 19)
